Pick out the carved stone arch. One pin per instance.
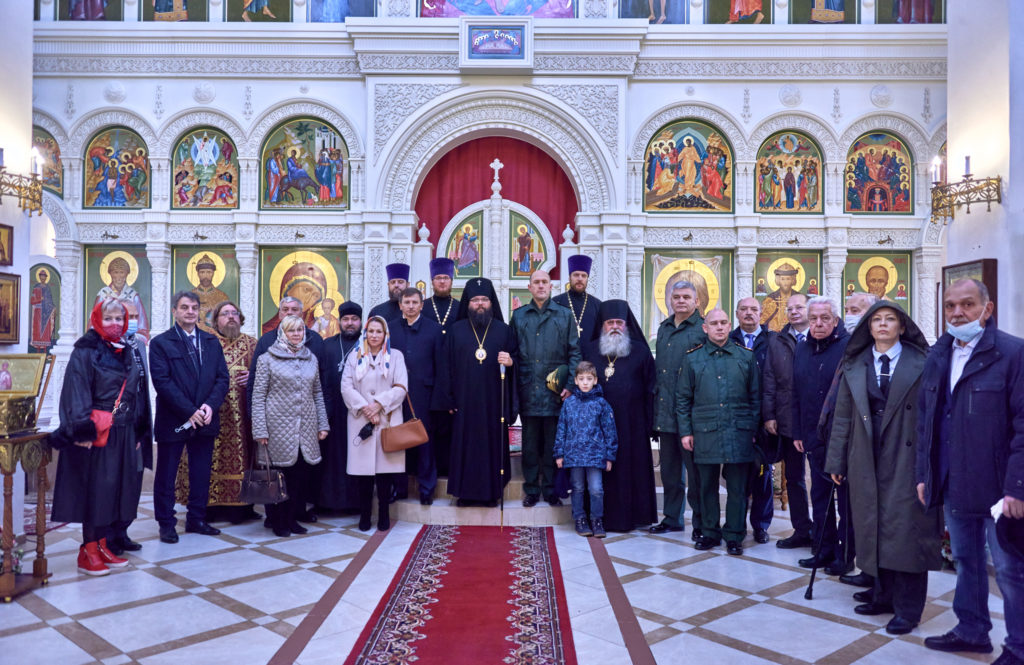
(710, 114)
(64, 227)
(808, 124)
(298, 107)
(515, 114)
(900, 125)
(87, 127)
(182, 123)
(52, 125)
(938, 138)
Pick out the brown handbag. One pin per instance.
(409, 434)
(264, 486)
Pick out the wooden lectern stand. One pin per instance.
(33, 451)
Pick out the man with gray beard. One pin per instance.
(626, 373)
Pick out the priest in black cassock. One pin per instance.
(582, 305)
(338, 490)
(625, 371)
(443, 308)
(470, 386)
(398, 281)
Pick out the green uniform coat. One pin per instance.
(547, 338)
(718, 402)
(673, 343)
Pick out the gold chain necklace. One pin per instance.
(481, 353)
(579, 321)
(609, 371)
(433, 303)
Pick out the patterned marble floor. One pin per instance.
(236, 598)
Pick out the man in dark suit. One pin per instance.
(191, 381)
(752, 335)
(419, 340)
(970, 455)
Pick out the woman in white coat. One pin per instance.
(373, 386)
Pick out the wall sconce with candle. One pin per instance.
(27, 189)
(948, 196)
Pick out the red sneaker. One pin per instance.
(89, 561)
(108, 557)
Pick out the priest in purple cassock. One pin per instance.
(483, 404)
(625, 371)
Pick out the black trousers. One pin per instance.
(200, 463)
(762, 496)
(824, 515)
(298, 480)
(539, 454)
(441, 438)
(906, 592)
(796, 487)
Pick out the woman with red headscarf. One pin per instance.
(98, 484)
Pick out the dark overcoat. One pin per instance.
(181, 387)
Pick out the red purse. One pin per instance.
(104, 420)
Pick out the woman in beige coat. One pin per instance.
(289, 419)
(373, 386)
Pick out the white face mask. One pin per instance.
(851, 321)
(967, 331)
(133, 326)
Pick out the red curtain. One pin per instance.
(530, 177)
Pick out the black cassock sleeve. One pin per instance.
(443, 398)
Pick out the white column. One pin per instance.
(159, 255)
(247, 255)
(927, 270)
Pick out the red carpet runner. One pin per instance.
(472, 595)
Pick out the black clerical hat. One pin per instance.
(618, 309)
(349, 307)
(479, 286)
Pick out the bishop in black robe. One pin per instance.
(629, 494)
(475, 391)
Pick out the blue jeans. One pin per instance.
(587, 477)
(968, 536)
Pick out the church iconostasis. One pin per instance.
(710, 271)
(527, 247)
(175, 10)
(886, 275)
(879, 176)
(43, 308)
(498, 8)
(336, 11)
(304, 165)
(777, 276)
(688, 168)
(116, 172)
(788, 176)
(121, 272)
(910, 11)
(463, 246)
(318, 277)
(655, 11)
(823, 11)
(209, 272)
(90, 10)
(51, 168)
(739, 11)
(204, 168)
(260, 11)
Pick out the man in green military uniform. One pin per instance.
(547, 339)
(676, 335)
(718, 404)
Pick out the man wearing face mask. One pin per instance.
(970, 455)
(856, 305)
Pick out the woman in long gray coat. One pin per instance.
(289, 419)
(373, 386)
(873, 447)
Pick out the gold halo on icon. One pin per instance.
(133, 265)
(661, 282)
(218, 274)
(890, 269)
(301, 256)
(801, 274)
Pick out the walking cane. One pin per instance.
(809, 594)
(501, 455)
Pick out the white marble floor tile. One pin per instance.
(315, 548)
(280, 593)
(188, 544)
(92, 593)
(674, 598)
(602, 624)
(834, 598)
(330, 650)
(600, 652)
(941, 582)
(769, 552)
(25, 649)
(344, 617)
(228, 566)
(254, 532)
(149, 625)
(738, 573)
(366, 590)
(901, 651)
(13, 615)
(760, 624)
(582, 599)
(649, 551)
(687, 648)
(255, 645)
(587, 575)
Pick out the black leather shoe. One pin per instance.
(202, 528)
(168, 535)
(697, 534)
(838, 568)
(899, 626)
(553, 500)
(307, 516)
(114, 547)
(530, 500)
(761, 536)
(794, 541)
(282, 532)
(953, 642)
(706, 543)
(860, 579)
(295, 527)
(866, 596)
(815, 561)
(872, 609)
(129, 545)
(426, 500)
(734, 548)
(661, 527)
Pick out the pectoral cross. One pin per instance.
(497, 166)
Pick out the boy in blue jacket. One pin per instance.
(585, 444)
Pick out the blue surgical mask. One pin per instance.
(851, 321)
(967, 331)
(133, 326)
